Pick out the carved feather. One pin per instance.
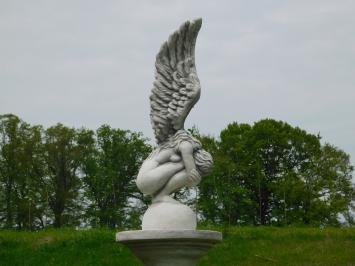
(176, 88)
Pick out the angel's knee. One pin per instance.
(145, 184)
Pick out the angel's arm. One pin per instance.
(186, 151)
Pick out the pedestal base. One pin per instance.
(169, 247)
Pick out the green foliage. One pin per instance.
(272, 173)
(63, 158)
(64, 176)
(109, 171)
(21, 159)
(269, 173)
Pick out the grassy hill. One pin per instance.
(241, 246)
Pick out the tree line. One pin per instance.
(266, 173)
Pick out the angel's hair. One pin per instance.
(181, 136)
(203, 159)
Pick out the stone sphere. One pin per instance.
(169, 216)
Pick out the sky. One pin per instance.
(87, 63)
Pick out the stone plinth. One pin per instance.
(169, 247)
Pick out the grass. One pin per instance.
(241, 246)
(284, 246)
(63, 247)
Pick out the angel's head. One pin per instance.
(203, 161)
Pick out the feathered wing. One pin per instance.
(176, 87)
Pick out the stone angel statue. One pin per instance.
(179, 159)
(169, 235)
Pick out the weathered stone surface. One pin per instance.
(179, 159)
(169, 247)
(169, 216)
(169, 236)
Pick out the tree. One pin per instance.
(10, 145)
(333, 186)
(272, 173)
(21, 169)
(109, 174)
(267, 173)
(63, 159)
(30, 201)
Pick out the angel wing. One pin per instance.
(176, 87)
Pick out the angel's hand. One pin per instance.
(194, 178)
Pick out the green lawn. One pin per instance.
(241, 246)
(284, 246)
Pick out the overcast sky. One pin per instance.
(86, 63)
